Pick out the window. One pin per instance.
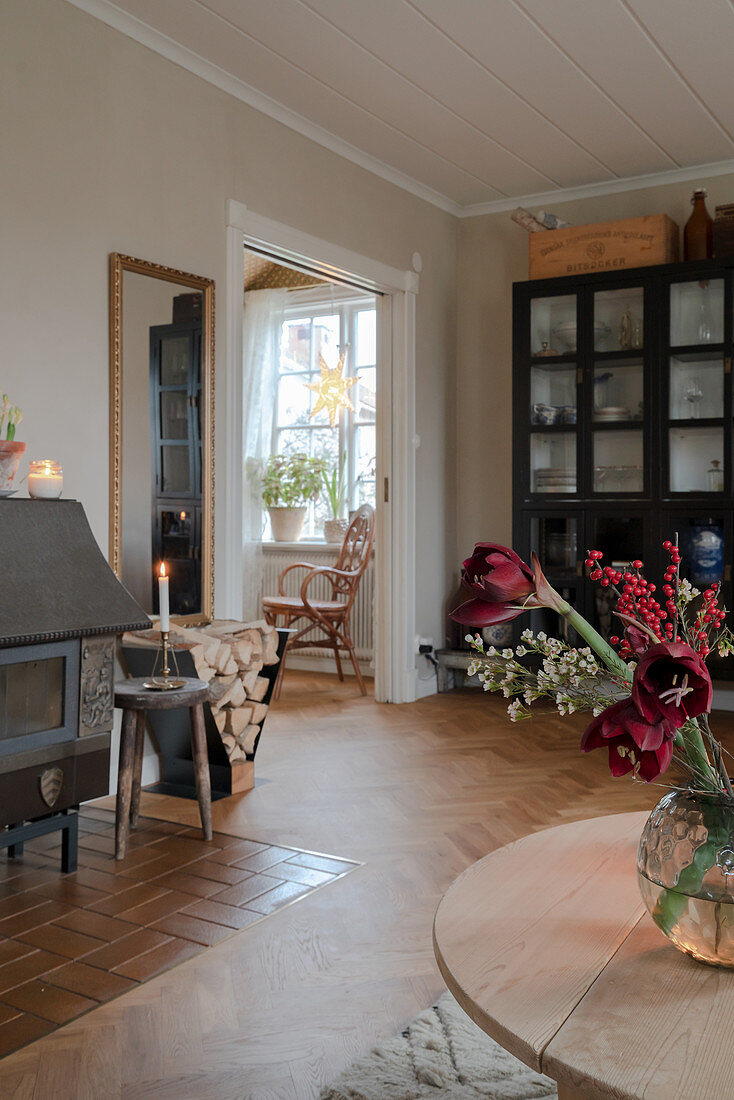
(327, 329)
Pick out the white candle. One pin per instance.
(163, 598)
(45, 480)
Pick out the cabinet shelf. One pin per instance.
(550, 428)
(554, 360)
(617, 425)
(697, 353)
(702, 422)
(621, 355)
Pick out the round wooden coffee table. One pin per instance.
(547, 945)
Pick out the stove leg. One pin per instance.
(69, 843)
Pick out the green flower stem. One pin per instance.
(695, 755)
(611, 659)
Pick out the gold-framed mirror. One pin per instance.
(162, 434)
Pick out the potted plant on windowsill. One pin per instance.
(11, 451)
(290, 482)
(336, 490)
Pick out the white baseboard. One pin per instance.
(424, 688)
(326, 664)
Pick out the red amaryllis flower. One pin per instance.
(502, 584)
(671, 682)
(632, 742)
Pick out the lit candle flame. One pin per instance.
(163, 569)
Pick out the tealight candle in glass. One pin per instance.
(45, 479)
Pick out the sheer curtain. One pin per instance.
(260, 355)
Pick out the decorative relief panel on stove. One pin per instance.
(96, 699)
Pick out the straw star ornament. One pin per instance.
(331, 389)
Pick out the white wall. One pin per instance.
(107, 147)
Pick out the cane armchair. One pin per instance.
(327, 621)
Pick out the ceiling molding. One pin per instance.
(140, 32)
(607, 187)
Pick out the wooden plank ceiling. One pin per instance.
(474, 101)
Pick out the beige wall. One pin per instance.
(493, 253)
(106, 147)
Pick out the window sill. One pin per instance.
(302, 544)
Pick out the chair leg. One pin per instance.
(137, 768)
(338, 660)
(279, 675)
(201, 769)
(125, 782)
(355, 663)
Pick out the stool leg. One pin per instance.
(201, 769)
(137, 767)
(125, 781)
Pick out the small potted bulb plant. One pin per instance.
(335, 484)
(289, 483)
(11, 451)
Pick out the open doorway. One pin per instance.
(310, 368)
(396, 440)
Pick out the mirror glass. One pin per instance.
(162, 467)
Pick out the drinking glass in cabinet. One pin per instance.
(618, 390)
(552, 395)
(553, 325)
(555, 540)
(618, 319)
(692, 454)
(618, 462)
(553, 462)
(696, 389)
(697, 312)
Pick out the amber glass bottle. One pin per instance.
(698, 233)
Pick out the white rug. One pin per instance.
(444, 1055)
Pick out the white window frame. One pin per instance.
(395, 579)
(346, 306)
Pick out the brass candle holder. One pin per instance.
(164, 681)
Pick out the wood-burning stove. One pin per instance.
(60, 612)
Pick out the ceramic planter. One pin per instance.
(10, 456)
(287, 523)
(335, 530)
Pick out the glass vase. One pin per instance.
(685, 870)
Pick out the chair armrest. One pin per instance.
(293, 565)
(321, 571)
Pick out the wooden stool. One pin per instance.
(134, 700)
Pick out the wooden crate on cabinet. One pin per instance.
(603, 246)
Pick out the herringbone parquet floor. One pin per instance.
(418, 792)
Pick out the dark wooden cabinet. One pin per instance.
(175, 402)
(622, 425)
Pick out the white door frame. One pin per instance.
(395, 674)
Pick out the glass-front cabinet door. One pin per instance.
(617, 400)
(622, 537)
(553, 395)
(697, 433)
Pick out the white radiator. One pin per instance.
(277, 557)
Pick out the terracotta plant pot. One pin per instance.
(287, 523)
(335, 530)
(10, 456)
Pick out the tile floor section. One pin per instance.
(70, 942)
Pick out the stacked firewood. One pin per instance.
(230, 656)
